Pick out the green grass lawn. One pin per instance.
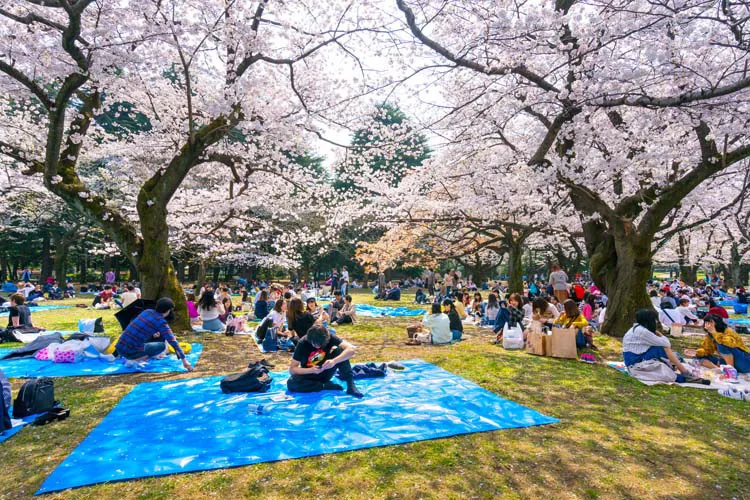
(617, 438)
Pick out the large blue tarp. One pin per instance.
(188, 425)
(739, 322)
(35, 309)
(30, 367)
(367, 310)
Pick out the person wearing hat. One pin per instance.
(146, 336)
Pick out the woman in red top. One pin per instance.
(717, 310)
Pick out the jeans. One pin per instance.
(213, 325)
(653, 352)
(150, 349)
(314, 382)
(741, 358)
(457, 334)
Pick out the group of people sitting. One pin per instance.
(318, 352)
(721, 346)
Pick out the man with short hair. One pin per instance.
(18, 313)
(315, 360)
(146, 336)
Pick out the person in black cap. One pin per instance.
(146, 336)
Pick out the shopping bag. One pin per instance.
(563, 343)
(535, 343)
(675, 330)
(512, 337)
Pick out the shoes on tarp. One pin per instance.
(57, 413)
(395, 365)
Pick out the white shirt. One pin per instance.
(345, 275)
(213, 313)
(26, 290)
(656, 301)
(687, 313)
(527, 311)
(602, 314)
(639, 339)
(277, 318)
(440, 326)
(670, 317)
(128, 298)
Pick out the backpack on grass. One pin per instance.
(254, 379)
(35, 396)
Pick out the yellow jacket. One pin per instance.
(460, 309)
(728, 339)
(564, 321)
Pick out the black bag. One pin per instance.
(35, 396)
(6, 335)
(254, 379)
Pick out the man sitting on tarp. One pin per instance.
(145, 336)
(18, 313)
(316, 358)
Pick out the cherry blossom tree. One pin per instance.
(222, 84)
(631, 106)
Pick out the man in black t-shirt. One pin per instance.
(316, 358)
(18, 312)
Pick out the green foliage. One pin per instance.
(389, 149)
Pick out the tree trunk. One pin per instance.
(689, 274)
(180, 264)
(46, 271)
(84, 277)
(216, 274)
(515, 268)
(620, 265)
(154, 265)
(202, 268)
(62, 245)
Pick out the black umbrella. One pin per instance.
(128, 314)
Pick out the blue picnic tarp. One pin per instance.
(200, 428)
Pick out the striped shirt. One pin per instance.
(141, 330)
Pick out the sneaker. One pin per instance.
(131, 363)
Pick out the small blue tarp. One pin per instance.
(31, 367)
(199, 428)
(36, 309)
(367, 310)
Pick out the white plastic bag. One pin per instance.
(512, 337)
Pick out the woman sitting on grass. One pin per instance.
(439, 325)
(477, 306)
(643, 342)
(572, 318)
(210, 310)
(298, 319)
(544, 312)
(347, 314)
(722, 346)
(18, 312)
(457, 328)
(261, 305)
(195, 317)
(491, 310)
(515, 314)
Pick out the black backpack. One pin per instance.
(254, 379)
(35, 396)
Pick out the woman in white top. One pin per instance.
(439, 324)
(278, 314)
(210, 310)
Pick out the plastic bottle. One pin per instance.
(256, 409)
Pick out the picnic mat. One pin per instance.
(36, 309)
(31, 367)
(369, 311)
(18, 424)
(716, 384)
(199, 428)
